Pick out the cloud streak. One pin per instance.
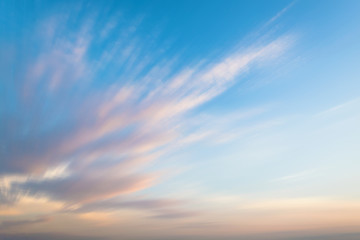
(76, 109)
(20, 223)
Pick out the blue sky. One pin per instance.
(179, 120)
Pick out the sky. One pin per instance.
(172, 120)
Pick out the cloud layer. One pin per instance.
(88, 112)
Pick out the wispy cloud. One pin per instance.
(280, 13)
(337, 108)
(114, 204)
(20, 223)
(165, 214)
(83, 122)
(296, 176)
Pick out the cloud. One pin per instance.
(45, 236)
(174, 214)
(280, 13)
(105, 105)
(7, 197)
(79, 189)
(139, 204)
(338, 108)
(297, 176)
(268, 236)
(20, 223)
